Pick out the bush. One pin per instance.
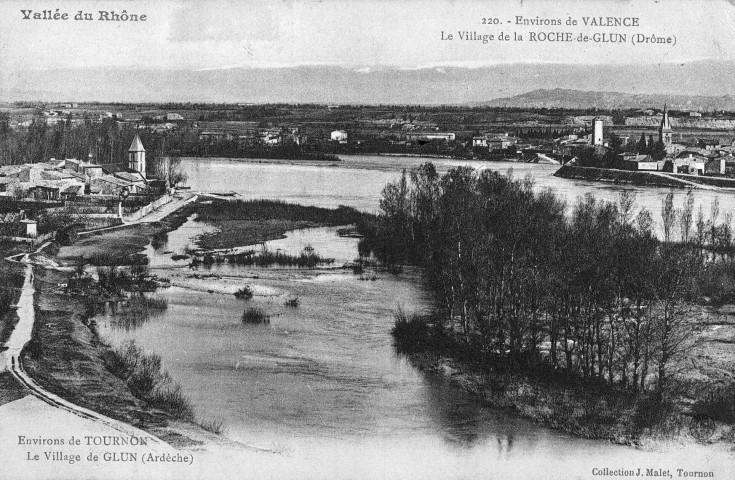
(254, 315)
(148, 381)
(246, 293)
(214, 426)
(411, 333)
(717, 403)
(171, 399)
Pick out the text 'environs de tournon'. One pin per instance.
(562, 34)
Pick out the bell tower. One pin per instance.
(136, 156)
(664, 131)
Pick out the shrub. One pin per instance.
(214, 426)
(171, 399)
(148, 381)
(255, 315)
(246, 293)
(717, 403)
(411, 333)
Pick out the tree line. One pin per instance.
(106, 142)
(521, 277)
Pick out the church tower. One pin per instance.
(664, 131)
(136, 156)
(597, 131)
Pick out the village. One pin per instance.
(65, 166)
(532, 135)
(56, 198)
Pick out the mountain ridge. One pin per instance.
(609, 100)
(450, 85)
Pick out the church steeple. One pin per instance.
(664, 131)
(136, 156)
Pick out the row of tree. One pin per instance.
(592, 291)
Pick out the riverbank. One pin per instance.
(623, 177)
(67, 357)
(121, 246)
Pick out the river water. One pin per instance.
(357, 182)
(322, 381)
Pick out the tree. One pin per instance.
(642, 147)
(669, 216)
(673, 325)
(687, 217)
(658, 151)
(615, 144)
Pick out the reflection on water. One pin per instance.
(131, 313)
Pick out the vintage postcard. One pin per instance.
(367, 239)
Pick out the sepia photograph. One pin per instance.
(367, 239)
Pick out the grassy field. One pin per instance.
(120, 246)
(251, 222)
(11, 280)
(10, 389)
(236, 233)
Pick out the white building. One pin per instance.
(597, 131)
(339, 136)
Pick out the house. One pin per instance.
(271, 137)
(640, 163)
(45, 181)
(501, 142)
(43, 191)
(211, 136)
(425, 137)
(173, 117)
(493, 142)
(8, 186)
(338, 136)
(695, 151)
(716, 166)
(88, 169)
(691, 164)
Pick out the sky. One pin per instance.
(361, 35)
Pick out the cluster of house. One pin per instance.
(713, 159)
(69, 178)
(251, 135)
(494, 142)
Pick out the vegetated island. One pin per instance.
(584, 322)
(251, 222)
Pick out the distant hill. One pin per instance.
(581, 99)
(578, 85)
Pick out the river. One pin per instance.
(322, 381)
(357, 182)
